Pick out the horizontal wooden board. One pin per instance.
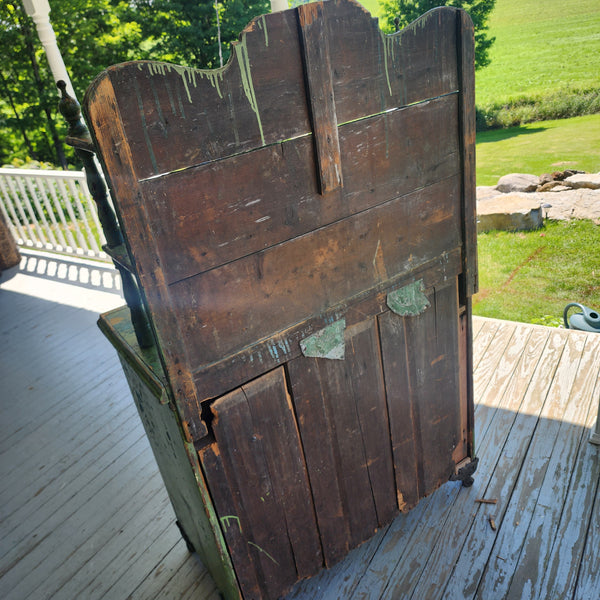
(216, 213)
(227, 309)
(232, 371)
(373, 72)
(176, 117)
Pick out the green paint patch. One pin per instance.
(326, 343)
(408, 301)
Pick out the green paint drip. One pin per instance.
(386, 44)
(241, 52)
(263, 25)
(264, 552)
(189, 76)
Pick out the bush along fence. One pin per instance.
(51, 210)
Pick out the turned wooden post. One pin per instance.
(79, 138)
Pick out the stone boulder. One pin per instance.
(510, 212)
(517, 182)
(590, 181)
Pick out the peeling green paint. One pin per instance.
(226, 519)
(408, 301)
(326, 343)
(241, 51)
(262, 24)
(189, 76)
(389, 46)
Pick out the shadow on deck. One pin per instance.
(84, 514)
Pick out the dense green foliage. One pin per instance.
(93, 34)
(396, 14)
(531, 276)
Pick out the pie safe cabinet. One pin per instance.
(301, 227)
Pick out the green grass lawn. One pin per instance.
(541, 47)
(531, 276)
(540, 147)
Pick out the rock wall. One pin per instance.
(521, 201)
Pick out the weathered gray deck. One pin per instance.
(83, 513)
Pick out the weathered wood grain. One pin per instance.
(219, 212)
(285, 345)
(354, 432)
(219, 317)
(466, 71)
(501, 456)
(490, 444)
(273, 415)
(568, 425)
(321, 101)
(514, 524)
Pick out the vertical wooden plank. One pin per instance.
(424, 394)
(231, 516)
(365, 373)
(432, 339)
(259, 516)
(348, 434)
(317, 72)
(317, 431)
(273, 418)
(466, 72)
(403, 415)
(466, 412)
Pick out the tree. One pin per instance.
(397, 14)
(92, 35)
(188, 32)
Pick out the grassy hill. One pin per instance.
(541, 48)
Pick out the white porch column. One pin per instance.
(277, 5)
(39, 11)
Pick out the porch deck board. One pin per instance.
(84, 513)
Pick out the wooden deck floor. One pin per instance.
(84, 514)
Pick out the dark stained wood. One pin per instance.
(317, 430)
(403, 415)
(352, 429)
(231, 515)
(179, 117)
(274, 420)
(282, 347)
(258, 515)
(421, 363)
(466, 70)
(198, 223)
(432, 340)
(263, 497)
(317, 71)
(326, 262)
(321, 176)
(373, 72)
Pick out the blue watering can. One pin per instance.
(586, 320)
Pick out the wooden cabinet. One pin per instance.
(301, 224)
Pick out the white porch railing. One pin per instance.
(51, 210)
